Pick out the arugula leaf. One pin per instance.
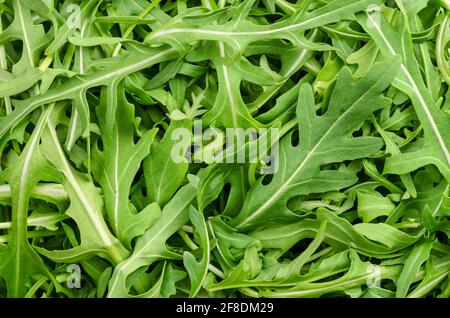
(198, 269)
(436, 147)
(76, 87)
(19, 261)
(419, 254)
(163, 175)
(116, 166)
(123, 171)
(238, 32)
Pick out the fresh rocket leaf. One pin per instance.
(165, 171)
(86, 208)
(116, 166)
(76, 89)
(19, 261)
(198, 270)
(151, 246)
(33, 37)
(367, 238)
(358, 274)
(238, 32)
(436, 144)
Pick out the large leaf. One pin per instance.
(367, 238)
(418, 255)
(299, 171)
(198, 269)
(33, 37)
(359, 274)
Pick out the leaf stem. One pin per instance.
(187, 228)
(288, 126)
(407, 225)
(286, 6)
(35, 287)
(424, 289)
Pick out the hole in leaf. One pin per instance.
(297, 249)
(272, 18)
(295, 138)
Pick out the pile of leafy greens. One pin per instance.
(93, 204)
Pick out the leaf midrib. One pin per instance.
(71, 136)
(226, 77)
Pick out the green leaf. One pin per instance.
(116, 166)
(340, 234)
(292, 270)
(165, 170)
(397, 41)
(247, 269)
(359, 274)
(19, 261)
(115, 117)
(197, 270)
(231, 244)
(419, 254)
(299, 172)
(86, 208)
(21, 82)
(76, 87)
(372, 205)
(240, 31)
(32, 35)
(151, 246)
